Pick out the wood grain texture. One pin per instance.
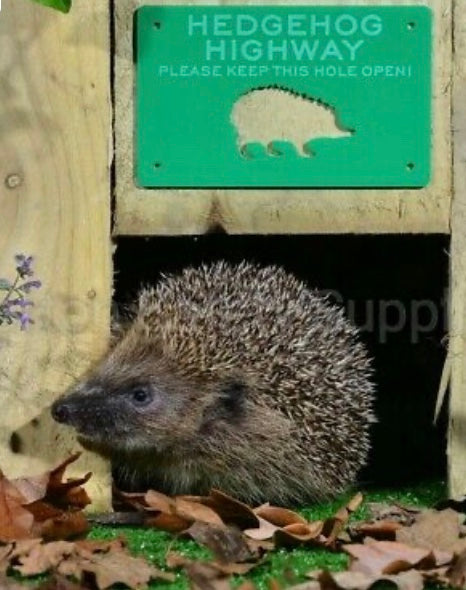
(55, 121)
(457, 336)
(172, 212)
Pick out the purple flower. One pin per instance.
(13, 303)
(19, 302)
(27, 287)
(25, 320)
(23, 265)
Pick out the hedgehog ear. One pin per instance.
(233, 397)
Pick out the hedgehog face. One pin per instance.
(116, 416)
(135, 402)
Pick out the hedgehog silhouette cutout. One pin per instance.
(272, 118)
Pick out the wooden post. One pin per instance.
(457, 345)
(55, 136)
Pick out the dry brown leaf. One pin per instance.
(92, 546)
(117, 567)
(232, 511)
(15, 521)
(259, 547)
(43, 557)
(393, 512)
(167, 522)
(202, 575)
(349, 580)
(335, 525)
(277, 516)
(5, 553)
(65, 526)
(158, 501)
(50, 487)
(9, 584)
(456, 574)
(42, 505)
(226, 543)
(70, 493)
(60, 583)
(296, 534)
(193, 511)
(377, 558)
(265, 530)
(434, 530)
(384, 530)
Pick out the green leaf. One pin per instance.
(5, 285)
(62, 5)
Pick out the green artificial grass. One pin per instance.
(286, 566)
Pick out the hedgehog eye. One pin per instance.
(141, 395)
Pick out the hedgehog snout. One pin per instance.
(61, 412)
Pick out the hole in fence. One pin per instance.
(395, 288)
(16, 444)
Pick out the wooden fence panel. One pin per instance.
(55, 123)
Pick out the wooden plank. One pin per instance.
(457, 337)
(55, 122)
(171, 212)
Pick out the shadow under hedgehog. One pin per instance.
(233, 377)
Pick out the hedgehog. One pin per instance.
(235, 377)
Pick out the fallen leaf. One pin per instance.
(68, 493)
(158, 501)
(193, 511)
(381, 529)
(202, 575)
(264, 531)
(349, 580)
(5, 552)
(405, 515)
(9, 584)
(171, 523)
(226, 543)
(120, 567)
(15, 521)
(434, 530)
(60, 583)
(94, 546)
(232, 511)
(335, 525)
(65, 526)
(44, 557)
(279, 517)
(378, 558)
(296, 534)
(456, 574)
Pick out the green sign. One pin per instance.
(283, 96)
